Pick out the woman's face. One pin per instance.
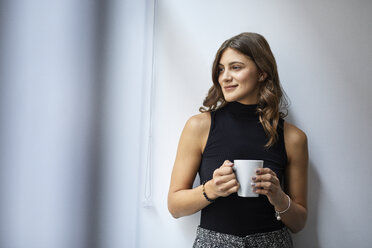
(238, 77)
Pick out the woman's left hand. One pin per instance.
(267, 183)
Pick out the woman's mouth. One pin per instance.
(230, 88)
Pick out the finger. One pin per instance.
(261, 191)
(225, 168)
(228, 185)
(233, 189)
(224, 179)
(265, 185)
(227, 163)
(224, 171)
(267, 178)
(261, 171)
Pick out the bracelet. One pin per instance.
(205, 195)
(277, 213)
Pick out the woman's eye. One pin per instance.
(236, 67)
(220, 69)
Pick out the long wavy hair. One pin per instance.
(272, 102)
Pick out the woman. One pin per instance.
(242, 121)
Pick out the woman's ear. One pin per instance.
(263, 76)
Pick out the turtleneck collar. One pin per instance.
(246, 111)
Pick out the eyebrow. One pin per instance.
(234, 62)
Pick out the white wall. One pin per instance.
(126, 68)
(46, 93)
(71, 95)
(323, 53)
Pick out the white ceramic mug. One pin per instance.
(244, 170)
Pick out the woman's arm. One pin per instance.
(295, 181)
(182, 199)
(296, 177)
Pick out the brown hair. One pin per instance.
(271, 97)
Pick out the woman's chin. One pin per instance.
(230, 98)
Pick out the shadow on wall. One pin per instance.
(308, 237)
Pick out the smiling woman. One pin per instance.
(242, 121)
(239, 79)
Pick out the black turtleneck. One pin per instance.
(236, 133)
(240, 110)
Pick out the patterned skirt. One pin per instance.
(210, 239)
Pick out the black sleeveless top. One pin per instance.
(236, 133)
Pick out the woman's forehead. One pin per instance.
(230, 56)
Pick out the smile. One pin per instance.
(229, 88)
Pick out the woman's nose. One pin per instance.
(226, 76)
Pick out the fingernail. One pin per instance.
(253, 178)
(257, 171)
(253, 184)
(229, 163)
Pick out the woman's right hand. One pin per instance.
(224, 181)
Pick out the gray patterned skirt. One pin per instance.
(210, 239)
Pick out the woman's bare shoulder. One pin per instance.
(199, 123)
(293, 135)
(198, 127)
